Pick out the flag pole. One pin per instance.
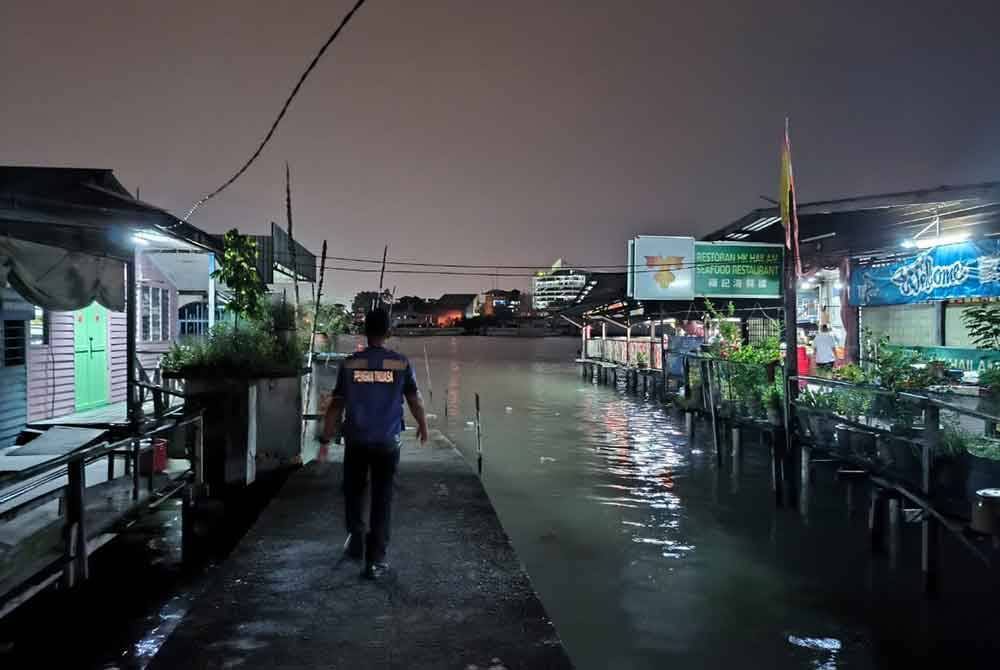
(790, 271)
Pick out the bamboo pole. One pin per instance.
(291, 236)
(312, 336)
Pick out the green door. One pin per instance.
(90, 335)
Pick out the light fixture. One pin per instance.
(140, 240)
(837, 286)
(929, 242)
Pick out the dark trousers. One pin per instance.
(381, 460)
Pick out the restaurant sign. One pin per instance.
(737, 270)
(966, 270)
(956, 358)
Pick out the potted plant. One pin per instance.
(982, 465)
(818, 408)
(235, 368)
(773, 396)
(989, 393)
(641, 360)
(951, 461)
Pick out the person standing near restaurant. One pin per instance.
(367, 409)
(824, 348)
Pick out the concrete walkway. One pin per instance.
(457, 598)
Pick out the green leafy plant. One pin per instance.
(819, 400)
(982, 321)
(984, 447)
(641, 359)
(854, 404)
(259, 348)
(238, 271)
(990, 378)
(730, 336)
(774, 394)
(955, 440)
(851, 373)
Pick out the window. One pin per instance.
(154, 318)
(192, 319)
(13, 343)
(40, 327)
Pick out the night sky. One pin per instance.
(513, 132)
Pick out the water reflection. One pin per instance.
(643, 551)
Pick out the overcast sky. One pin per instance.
(473, 131)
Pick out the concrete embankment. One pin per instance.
(457, 596)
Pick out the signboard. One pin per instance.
(15, 308)
(737, 270)
(966, 270)
(661, 268)
(957, 358)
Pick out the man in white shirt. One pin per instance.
(824, 348)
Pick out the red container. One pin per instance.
(159, 455)
(155, 457)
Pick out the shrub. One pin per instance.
(257, 348)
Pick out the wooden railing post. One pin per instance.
(928, 527)
(75, 528)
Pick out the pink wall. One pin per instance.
(51, 368)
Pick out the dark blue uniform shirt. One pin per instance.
(372, 383)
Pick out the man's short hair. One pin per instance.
(825, 327)
(377, 323)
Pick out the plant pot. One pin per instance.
(775, 417)
(951, 475)
(805, 430)
(989, 403)
(901, 458)
(821, 428)
(842, 432)
(863, 443)
(981, 473)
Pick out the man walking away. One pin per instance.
(367, 409)
(824, 349)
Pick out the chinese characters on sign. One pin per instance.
(734, 270)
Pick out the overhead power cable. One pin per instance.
(281, 114)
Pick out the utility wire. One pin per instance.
(281, 114)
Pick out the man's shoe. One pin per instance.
(375, 571)
(354, 547)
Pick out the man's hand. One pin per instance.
(417, 409)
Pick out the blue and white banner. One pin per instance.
(965, 270)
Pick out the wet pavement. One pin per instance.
(457, 596)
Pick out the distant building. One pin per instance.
(451, 308)
(502, 302)
(411, 319)
(560, 286)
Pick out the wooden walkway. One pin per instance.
(109, 416)
(457, 596)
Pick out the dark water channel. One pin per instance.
(647, 555)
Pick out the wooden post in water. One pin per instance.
(75, 533)
(928, 527)
(805, 469)
(479, 440)
(430, 386)
(706, 367)
(895, 530)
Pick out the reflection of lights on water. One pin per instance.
(828, 645)
(819, 643)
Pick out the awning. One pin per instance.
(60, 279)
